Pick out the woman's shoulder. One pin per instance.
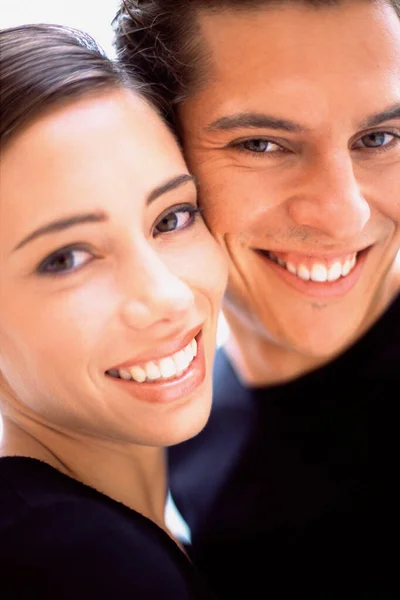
(61, 533)
(40, 500)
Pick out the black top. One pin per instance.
(60, 539)
(291, 489)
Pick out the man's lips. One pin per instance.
(321, 276)
(315, 267)
(308, 258)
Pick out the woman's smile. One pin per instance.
(166, 367)
(169, 379)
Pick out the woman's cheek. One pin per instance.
(207, 267)
(78, 319)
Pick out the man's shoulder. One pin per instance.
(228, 390)
(200, 467)
(378, 351)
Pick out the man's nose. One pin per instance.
(155, 296)
(329, 199)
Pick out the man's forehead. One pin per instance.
(292, 29)
(261, 63)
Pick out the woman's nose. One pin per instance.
(155, 294)
(330, 200)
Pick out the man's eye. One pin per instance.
(259, 145)
(64, 261)
(378, 139)
(176, 219)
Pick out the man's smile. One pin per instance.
(317, 276)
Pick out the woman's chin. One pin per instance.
(189, 424)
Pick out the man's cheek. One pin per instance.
(218, 225)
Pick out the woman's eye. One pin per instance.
(176, 219)
(259, 145)
(64, 261)
(378, 139)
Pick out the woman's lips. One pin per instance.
(169, 389)
(166, 367)
(318, 278)
(178, 341)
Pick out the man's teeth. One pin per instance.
(165, 368)
(318, 271)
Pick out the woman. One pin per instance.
(108, 317)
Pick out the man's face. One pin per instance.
(295, 140)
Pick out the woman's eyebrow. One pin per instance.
(61, 224)
(169, 185)
(99, 216)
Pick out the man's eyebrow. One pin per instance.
(378, 118)
(61, 224)
(254, 120)
(168, 186)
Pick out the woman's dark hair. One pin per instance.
(43, 65)
(161, 40)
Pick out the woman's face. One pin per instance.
(107, 275)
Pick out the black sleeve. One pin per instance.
(67, 554)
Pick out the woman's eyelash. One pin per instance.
(169, 226)
(72, 258)
(65, 260)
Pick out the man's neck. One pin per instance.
(261, 362)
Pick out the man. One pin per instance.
(289, 115)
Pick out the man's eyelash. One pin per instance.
(386, 147)
(239, 146)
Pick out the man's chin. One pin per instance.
(319, 342)
(316, 332)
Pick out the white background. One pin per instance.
(92, 16)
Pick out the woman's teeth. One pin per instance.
(318, 271)
(165, 368)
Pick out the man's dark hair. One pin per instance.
(43, 65)
(160, 39)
